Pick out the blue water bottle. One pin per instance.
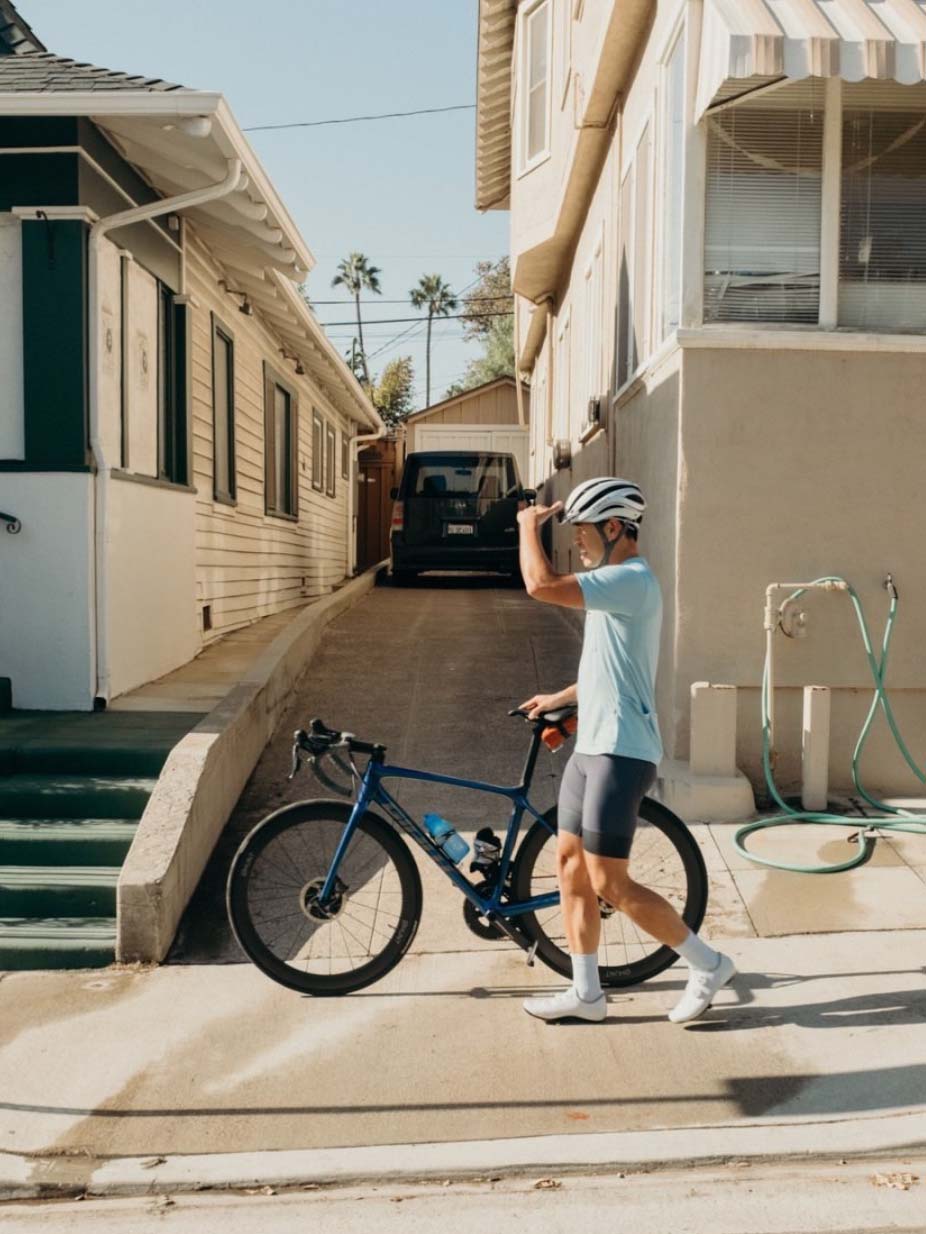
(446, 837)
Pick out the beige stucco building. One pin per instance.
(718, 244)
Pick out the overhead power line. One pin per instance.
(388, 321)
(383, 115)
(507, 295)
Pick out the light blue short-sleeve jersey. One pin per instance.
(620, 654)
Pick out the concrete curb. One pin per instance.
(203, 778)
(630, 1151)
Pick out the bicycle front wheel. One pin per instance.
(665, 858)
(273, 899)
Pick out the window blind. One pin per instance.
(882, 251)
(764, 181)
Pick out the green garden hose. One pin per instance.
(891, 817)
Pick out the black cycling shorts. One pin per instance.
(599, 800)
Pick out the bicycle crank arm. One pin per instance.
(515, 934)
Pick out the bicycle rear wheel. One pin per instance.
(272, 897)
(665, 857)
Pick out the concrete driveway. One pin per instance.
(430, 671)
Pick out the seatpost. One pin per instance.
(531, 761)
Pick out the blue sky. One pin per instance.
(399, 190)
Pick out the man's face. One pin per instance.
(588, 542)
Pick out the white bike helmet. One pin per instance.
(595, 501)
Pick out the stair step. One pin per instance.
(76, 760)
(66, 891)
(57, 797)
(66, 841)
(59, 942)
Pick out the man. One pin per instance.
(617, 747)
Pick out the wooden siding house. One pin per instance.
(178, 437)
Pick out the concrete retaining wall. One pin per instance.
(203, 779)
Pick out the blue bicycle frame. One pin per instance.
(372, 792)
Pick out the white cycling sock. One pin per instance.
(696, 953)
(585, 977)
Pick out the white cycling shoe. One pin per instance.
(701, 989)
(567, 1005)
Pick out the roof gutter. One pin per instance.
(124, 218)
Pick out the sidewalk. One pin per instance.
(815, 1050)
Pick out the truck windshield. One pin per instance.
(488, 476)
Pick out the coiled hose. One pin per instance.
(892, 818)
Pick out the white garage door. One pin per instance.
(502, 439)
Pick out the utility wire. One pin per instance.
(383, 115)
(388, 321)
(507, 295)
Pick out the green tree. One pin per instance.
(432, 292)
(490, 296)
(394, 393)
(356, 274)
(488, 318)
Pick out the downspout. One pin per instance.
(137, 214)
(353, 446)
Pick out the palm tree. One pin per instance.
(356, 274)
(440, 300)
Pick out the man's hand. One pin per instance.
(536, 516)
(536, 706)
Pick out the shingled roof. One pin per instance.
(16, 35)
(27, 65)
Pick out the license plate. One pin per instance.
(460, 529)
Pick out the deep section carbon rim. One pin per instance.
(324, 948)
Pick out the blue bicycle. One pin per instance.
(325, 897)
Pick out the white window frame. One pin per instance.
(648, 345)
(675, 43)
(565, 40)
(525, 165)
(594, 320)
(562, 377)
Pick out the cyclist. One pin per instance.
(617, 743)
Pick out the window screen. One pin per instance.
(764, 179)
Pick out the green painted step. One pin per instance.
(65, 841)
(61, 942)
(65, 891)
(83, 743)
(57, 797)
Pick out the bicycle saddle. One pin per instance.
(548, 717)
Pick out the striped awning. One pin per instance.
(747, 43)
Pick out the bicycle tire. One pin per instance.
(615, 976)
(248, 934)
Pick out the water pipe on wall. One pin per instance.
(867, 828)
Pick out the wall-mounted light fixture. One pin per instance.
(562, 454)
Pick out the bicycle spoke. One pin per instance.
(291, 869)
